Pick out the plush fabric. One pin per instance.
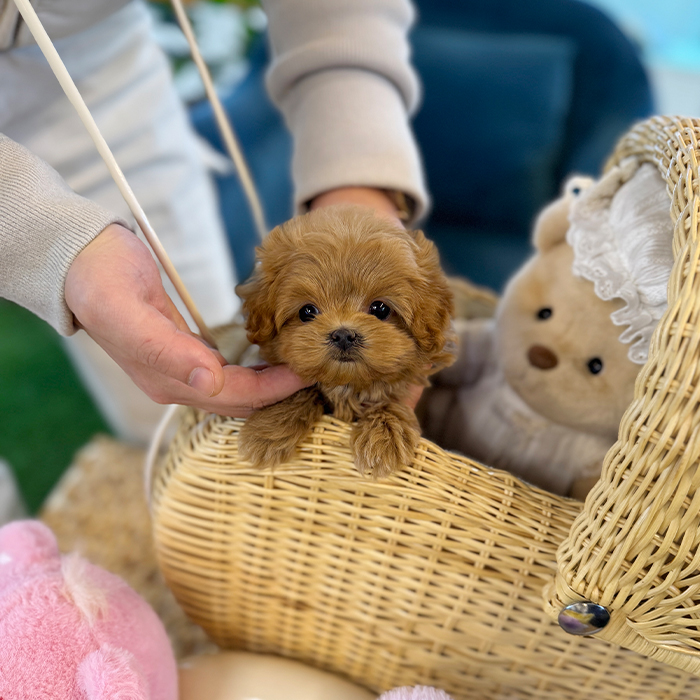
(73, 631)
(622, 235)
(540, 390)
(418, 692)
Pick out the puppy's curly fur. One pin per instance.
(361, 308)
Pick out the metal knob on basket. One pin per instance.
(583, 619)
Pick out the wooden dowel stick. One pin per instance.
(223, 122)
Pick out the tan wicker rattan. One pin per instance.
(436, 575)
(634, 548)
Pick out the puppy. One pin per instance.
(361, 308)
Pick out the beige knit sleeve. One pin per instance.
(43, 227)
(341, 76)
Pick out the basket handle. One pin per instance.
(634, 548)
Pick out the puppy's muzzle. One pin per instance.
(344, 339)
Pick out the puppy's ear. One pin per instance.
(432, 319)
(552, 223)
(260, 292)
(258, 306)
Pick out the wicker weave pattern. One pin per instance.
(436, 575)
(433, 576)
(634, 548)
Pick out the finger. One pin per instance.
(247, 389)
(168, 309)
(181, 356)
(153, 350)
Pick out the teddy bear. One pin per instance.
(72, 630)
(540, 388)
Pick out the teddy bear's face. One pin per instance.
(559, 349)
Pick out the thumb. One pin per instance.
(182, 356)
(160, 355)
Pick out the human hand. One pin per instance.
(370, 197)
(115, 293)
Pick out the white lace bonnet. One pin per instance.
(621, 232)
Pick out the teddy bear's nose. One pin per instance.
(542, 357)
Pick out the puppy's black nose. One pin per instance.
(344, 338)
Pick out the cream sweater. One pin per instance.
(341, 76)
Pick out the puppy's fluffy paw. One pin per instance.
(384, 441)
(271, 435)
(261, 449)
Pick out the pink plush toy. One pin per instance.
(73, 631)
(418, 692)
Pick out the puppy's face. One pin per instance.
(345, 297)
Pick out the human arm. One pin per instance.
(75, 265)
(43, 227)
(341, 76)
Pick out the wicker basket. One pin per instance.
(437, 574)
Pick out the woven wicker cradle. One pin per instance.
(450, 573)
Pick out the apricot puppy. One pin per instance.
(361, 308)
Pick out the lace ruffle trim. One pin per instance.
(623, 245)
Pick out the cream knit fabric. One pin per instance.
(43, 227)
(342, 78)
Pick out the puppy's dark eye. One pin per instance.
(545, 313)
(595, 366)
(380, 310)
(307, 313)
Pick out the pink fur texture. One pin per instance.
(110, 673)
(73, 631)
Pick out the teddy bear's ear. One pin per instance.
(27, 542)
(552, 222)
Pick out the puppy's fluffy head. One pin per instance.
(345, 297)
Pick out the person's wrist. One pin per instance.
(113, 237)
(379, 200)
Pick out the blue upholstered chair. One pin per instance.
(516, 96)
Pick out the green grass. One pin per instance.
(45, 414)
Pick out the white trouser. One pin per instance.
(11, 503)
(125, 80)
